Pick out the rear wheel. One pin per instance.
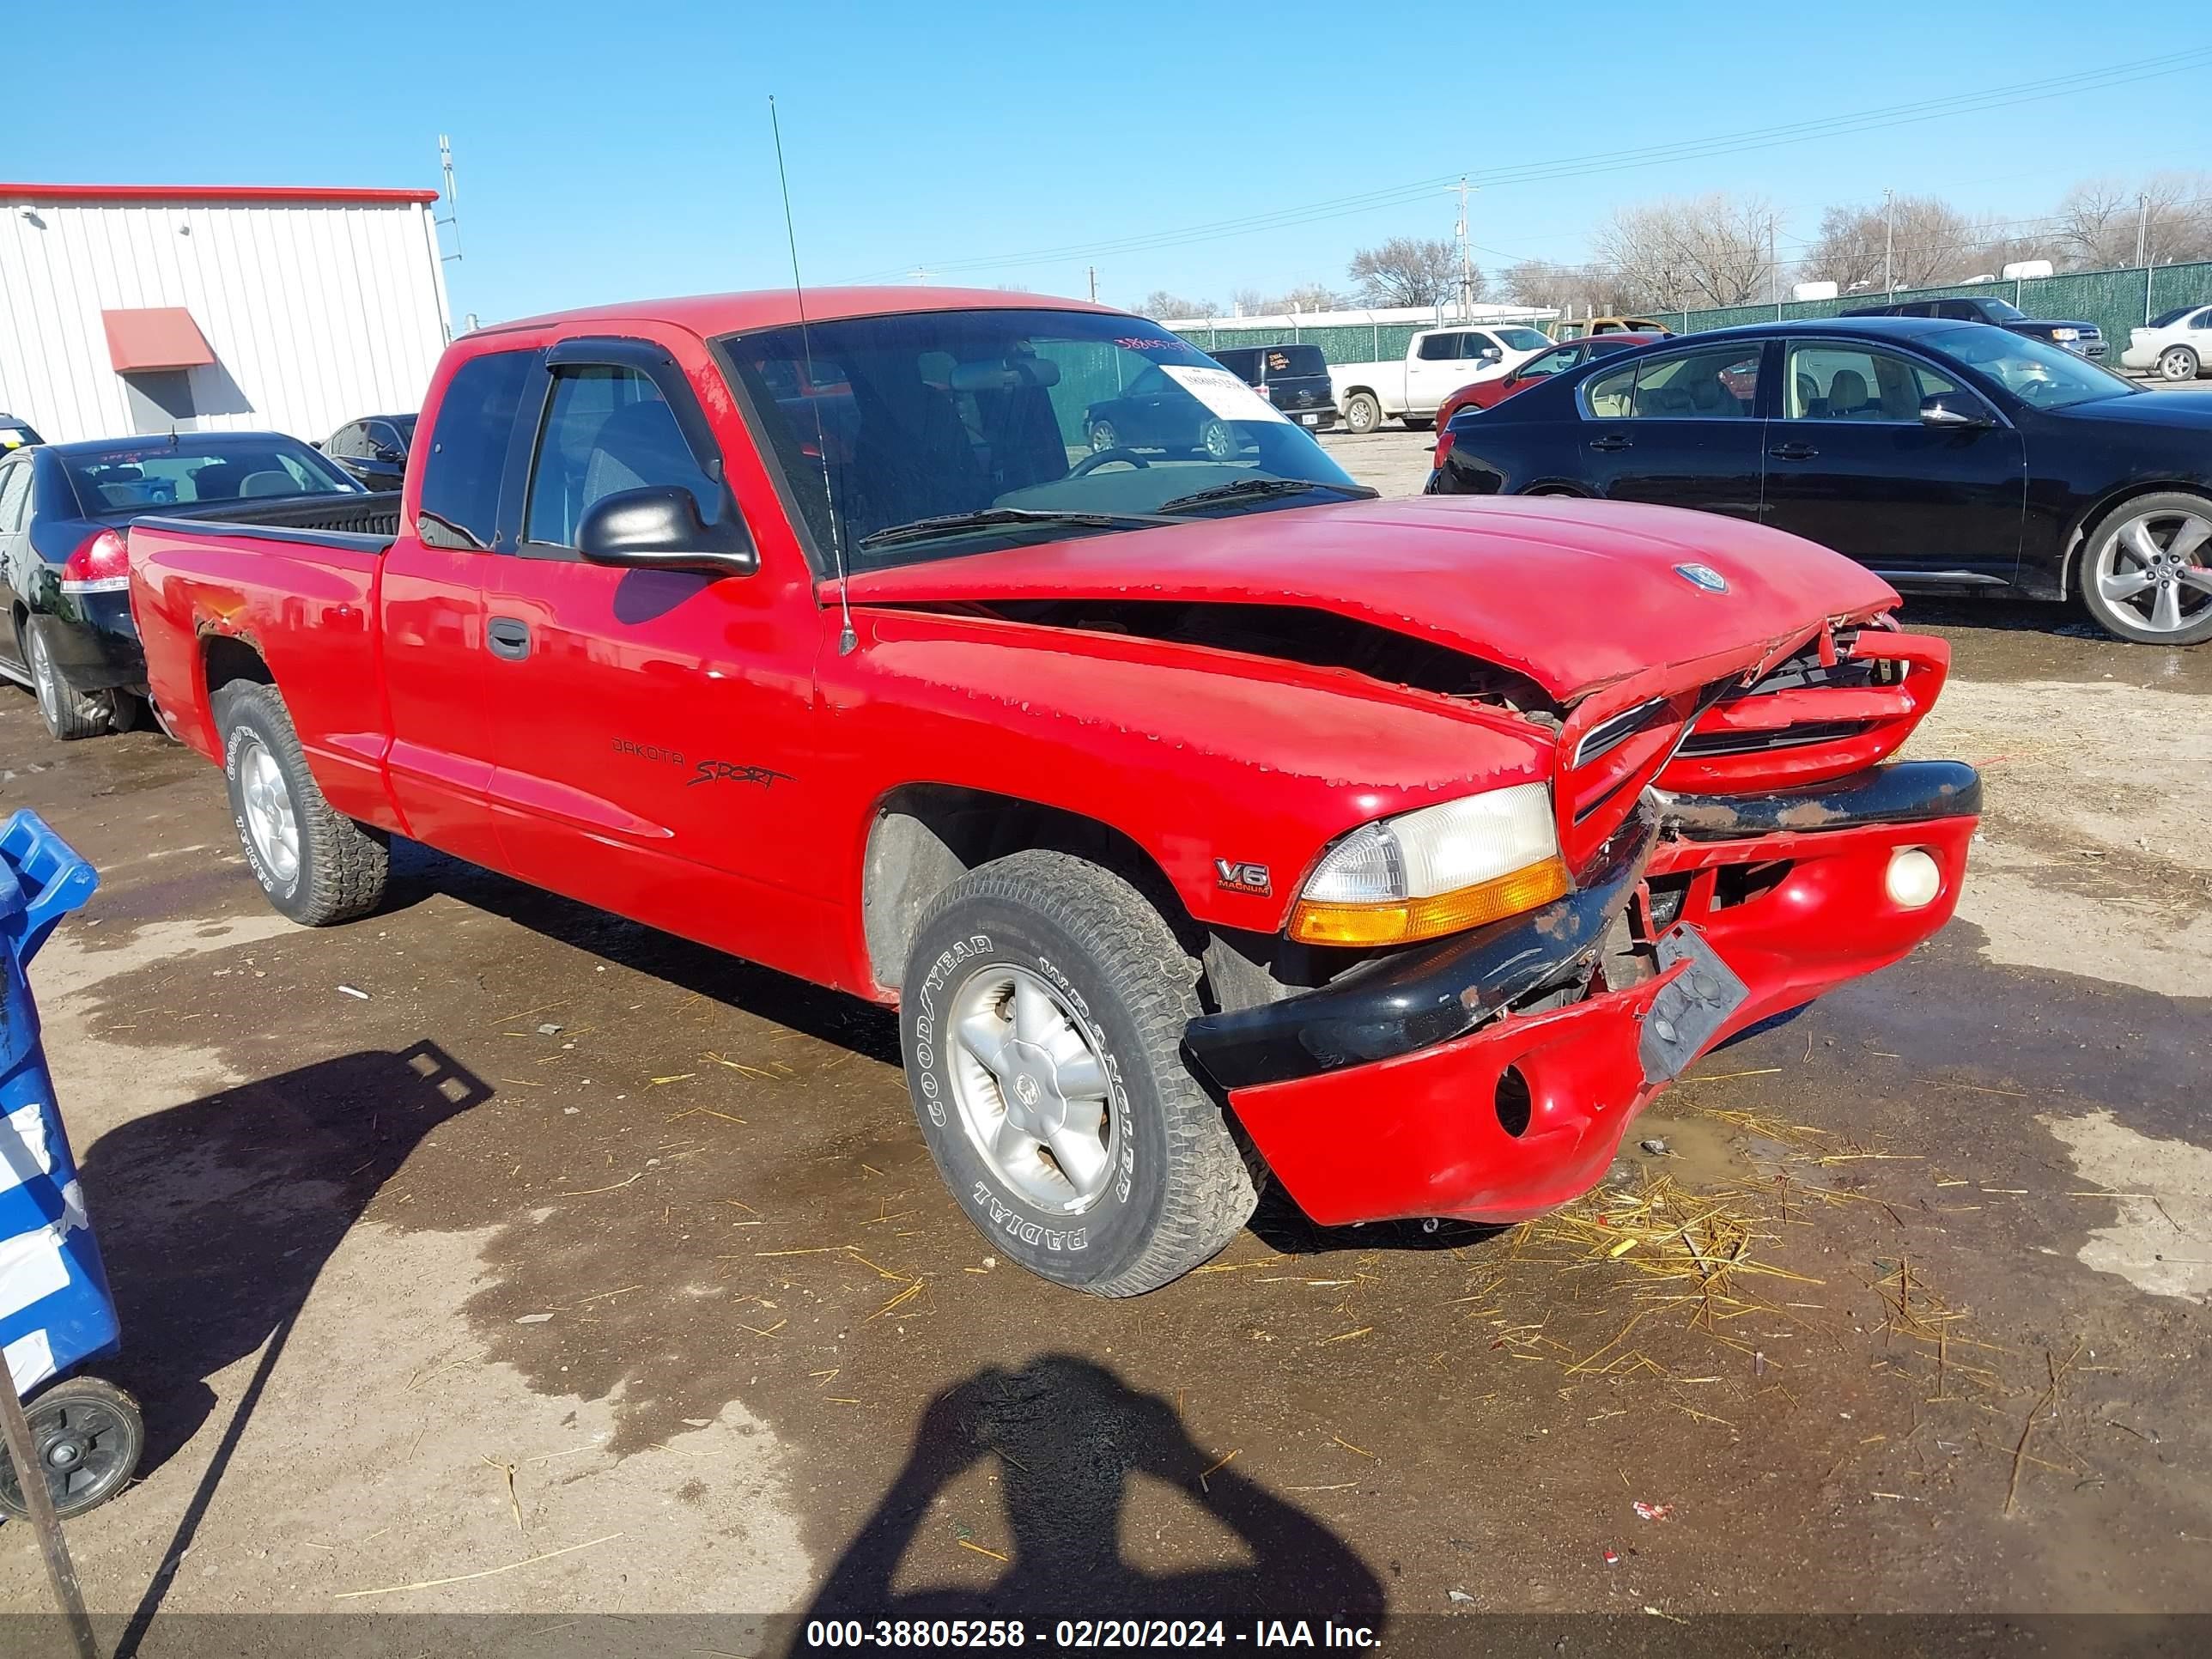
(1218, 440)
(88, 1436)
(2176, 363)
(316, 865)
(1104, 437)
(69, 713)
(1362, 413)
(2147, 570)
(1418, 423)
(1042, 1019)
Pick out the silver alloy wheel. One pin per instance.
(45, 681)
(269, 818)
(2152, 569)
(1032, 1093)
(1104, 438)
(2177, 363)
(1220, 440)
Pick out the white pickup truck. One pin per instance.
(1437, 362)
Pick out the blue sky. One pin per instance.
(609, 151)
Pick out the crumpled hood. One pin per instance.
(1574, 594)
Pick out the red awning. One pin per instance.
(155, 337)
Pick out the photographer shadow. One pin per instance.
(1068, 1436)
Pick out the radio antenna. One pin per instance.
(847, 641)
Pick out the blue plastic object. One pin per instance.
(55, 1313)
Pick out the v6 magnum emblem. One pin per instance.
(1243, 878)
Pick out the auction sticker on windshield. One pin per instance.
(1223, 393)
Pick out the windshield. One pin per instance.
(185, 470)
(2001, 311)
(1522, 339)
(2033, 371)
(1079, 421)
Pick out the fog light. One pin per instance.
(1914, 878)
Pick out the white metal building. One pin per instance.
(135, 309)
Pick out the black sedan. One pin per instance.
(1156, 411)
(64, 571)
(372, 448)
(1950, 457)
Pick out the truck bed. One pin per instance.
(366, 522)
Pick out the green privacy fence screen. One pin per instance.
(2115, 300)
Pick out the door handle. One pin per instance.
(1612, 440)
(1793, 452)
(508, 637)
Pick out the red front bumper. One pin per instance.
(1424, 1133)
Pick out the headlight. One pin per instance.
(1436, 871)
(2065, 333)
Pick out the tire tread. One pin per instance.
(347, 866)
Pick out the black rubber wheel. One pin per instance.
(127, 711)
(89, 1436)
(1418, 423)
(2177, 363)
(316, 865)
(2145, 570)
(1217, 440)
(1042, 1020)
(1362, 413)
(69, 713)
(1104, 437)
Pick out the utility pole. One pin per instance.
(2142, 230)
(1888, 241)
(1466, 259)
(1094, 285)
(1773, 268)
(452, 198)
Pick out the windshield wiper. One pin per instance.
(956, 524)
(1254, 489)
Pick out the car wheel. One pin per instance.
(89, 1436)
(69, 713)
(1362, 414)
(1218, 440)
(1418, 423)
(1042, 1018)
(2147, 570)
(1104, 437)
(316, 865)
(2176, 363)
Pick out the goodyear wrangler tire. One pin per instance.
(315, 864)
(1042, 1019)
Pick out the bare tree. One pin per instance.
(1403, 272)
(1307, 296)
(1703, 251)
(1249, 302)
(2103, 222)
(1919, 240)
(1573, 290)
(1160, 305)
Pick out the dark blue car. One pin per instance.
(64, 575)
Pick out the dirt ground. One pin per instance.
(496, 1255)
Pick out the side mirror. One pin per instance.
(387, 456)
(659, 528)
(1940, 409)
(1492, 355)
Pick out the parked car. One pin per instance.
(1437, 363)
(1292, 377)
(2177, 345)
(1582, 328)
(64, 580)
(1945, 456)
(2083, 339)
(16, 433)
(1488, 394)
(1148, 789)
(374, 448)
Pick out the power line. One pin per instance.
(1992, 98)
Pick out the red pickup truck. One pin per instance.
(1205, 818)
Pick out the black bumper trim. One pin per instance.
(1429, 993)
(1903, 792)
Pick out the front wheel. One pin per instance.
(88, 1437)
(1104, 437)
(2147, 570)
(316, 865)
(1362, 413)
(1043, 1018)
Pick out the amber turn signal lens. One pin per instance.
(1401, 922)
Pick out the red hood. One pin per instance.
(1574, 594)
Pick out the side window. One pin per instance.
(345, 443)
(607, 430)
(382, 436)
(1717, 383)
(1439, 348)
(14, 498)
(1850, 383)
(1551, 362)
(1613, 397)
(468, 451)
(2202, 319)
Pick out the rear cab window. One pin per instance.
(469, 441)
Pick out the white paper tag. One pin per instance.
(13, 437)
(1223, 393)
(30, 1361)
